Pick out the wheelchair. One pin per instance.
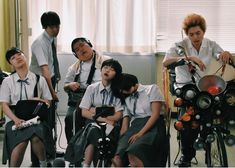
(209, 107)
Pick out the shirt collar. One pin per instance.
(17, 77)
(191, 46)
(101, 87)
(49, 37)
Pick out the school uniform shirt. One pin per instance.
(93, 97)
(138, 104)
(83, 68)
(208, 50)
(11, 90)
(42, 54)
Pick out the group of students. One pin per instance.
(139, 135)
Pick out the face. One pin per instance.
(83, 51)
(108, 73)
(53, 31)
(18, 60)
(196, 36)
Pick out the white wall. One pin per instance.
(141, 65)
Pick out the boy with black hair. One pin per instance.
(44, 61)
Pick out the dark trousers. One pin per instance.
(187, 139)
(51, 122)
(73, 111)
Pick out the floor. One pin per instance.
(61, 146)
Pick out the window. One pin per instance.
(218, 14)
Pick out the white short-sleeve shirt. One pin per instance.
(42, 54)
(11, 89)
(208, 50)
(93, 97)
(146, 95)
(83, 68)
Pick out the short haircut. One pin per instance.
(114, 64)
(50, 19)
(12, 51)
(127, 81)
(80, 40)
(193, 20)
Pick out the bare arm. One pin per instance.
(88, 114)
(11, 115)
(170, 60)
(125, 125)
(225, 57)
(156, 108)
(47, 75)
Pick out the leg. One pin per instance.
(88, 155)
(135, 161)
(17, 154)
(188, 137)
(117, 161)
(69, 123)
(38, 148)
(34, 159)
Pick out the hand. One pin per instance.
(18, 122)
(225, 57)
(54, 97)
(134, 137)
(198, 62)
(74, 86)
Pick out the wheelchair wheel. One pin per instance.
(216, 155)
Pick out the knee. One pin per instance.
(117, 161)
(135, 161)
(35, 140)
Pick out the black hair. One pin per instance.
(12, 51)
(80, 40)
(127, 81)
(50, 19)
(115, 81)
(114, 64)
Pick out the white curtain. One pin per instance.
(111, 25)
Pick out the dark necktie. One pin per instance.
(23, 82)
(135, 96)
(104, 96)
(55, 62)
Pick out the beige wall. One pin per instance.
(214, 66)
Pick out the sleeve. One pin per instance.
(217, 50)
(5, 91)
(156, 94)
(172, 51)
(70, 75)
(40, 54)
(126, 112)
(118, 105)
(86, 102)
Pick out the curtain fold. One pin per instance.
(111, 25)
